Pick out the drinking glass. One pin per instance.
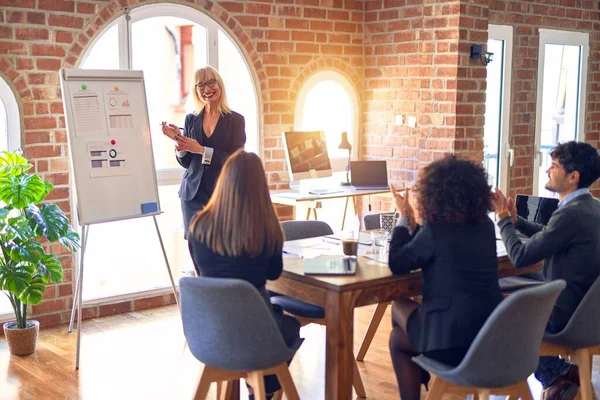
(350, 242)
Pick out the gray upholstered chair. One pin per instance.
(294, 230)
(505, 351)
(234, 336)
(511, 284)
(580, 338)
(307, 313)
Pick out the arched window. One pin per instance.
(10, 139)
(168, 42)
(10, 123)
(328, 102)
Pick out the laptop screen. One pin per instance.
(534, 208)
(368, 173)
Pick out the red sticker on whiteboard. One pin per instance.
(113, 142)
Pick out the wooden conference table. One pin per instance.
(339, 295)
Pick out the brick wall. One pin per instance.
(407, 57)
(417, 65)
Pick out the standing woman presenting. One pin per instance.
(210, 135)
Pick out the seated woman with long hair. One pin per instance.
(238, 235)
(456, 249)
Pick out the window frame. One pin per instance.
(506, 153)
(13, 116)
(565, 38)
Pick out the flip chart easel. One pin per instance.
(111, 157)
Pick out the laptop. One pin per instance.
(330, 265)
(369, 175)
(535, 208)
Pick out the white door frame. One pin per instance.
(506, 154)
(554, 36)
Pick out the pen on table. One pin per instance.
(291, 254)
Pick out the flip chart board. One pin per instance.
(109, 144)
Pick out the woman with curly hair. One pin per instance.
(455, 246)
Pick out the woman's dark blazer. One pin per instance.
(460, 281)
(229, 136)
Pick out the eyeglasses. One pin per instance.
(210, 83)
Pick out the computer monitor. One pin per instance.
(306, 155)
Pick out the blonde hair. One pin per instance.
(203, 75)
(239, 219)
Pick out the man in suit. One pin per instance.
(569, 246)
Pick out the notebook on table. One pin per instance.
(369, 175)
(330, 265)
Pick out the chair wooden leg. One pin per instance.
(286, 381)
(484, 394)
(224, 390)
(438, 388)
(256, 380)
(357, 382)
(204, 384)
(373, 325)
(278, 395)
(581, 357)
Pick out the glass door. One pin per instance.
(560, 108)
(497, 155)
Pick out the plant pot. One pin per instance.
(21, 342)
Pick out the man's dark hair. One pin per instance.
(580, 157)
(451, 190)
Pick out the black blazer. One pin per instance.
(229, 136)
(569, 246)
(460, 281)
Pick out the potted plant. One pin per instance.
(25, 266)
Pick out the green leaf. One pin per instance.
(70, 240)
(22, 190)
(18, 228)
(34, 292)
(12, 164)
(27, 251)
(50, 268)
(16, 277)
(56, 222)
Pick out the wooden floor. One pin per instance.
(142, 355)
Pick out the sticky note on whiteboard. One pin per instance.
(148, 208)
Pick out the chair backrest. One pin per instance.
(506, 349)
(373, 221)
(294, 230)
(583, 328)
(236, 333)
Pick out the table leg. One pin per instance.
(339, 317)
(308, 213)
(345, 209)
(355, 204)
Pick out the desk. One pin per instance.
(313, 201)
(339, 295)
